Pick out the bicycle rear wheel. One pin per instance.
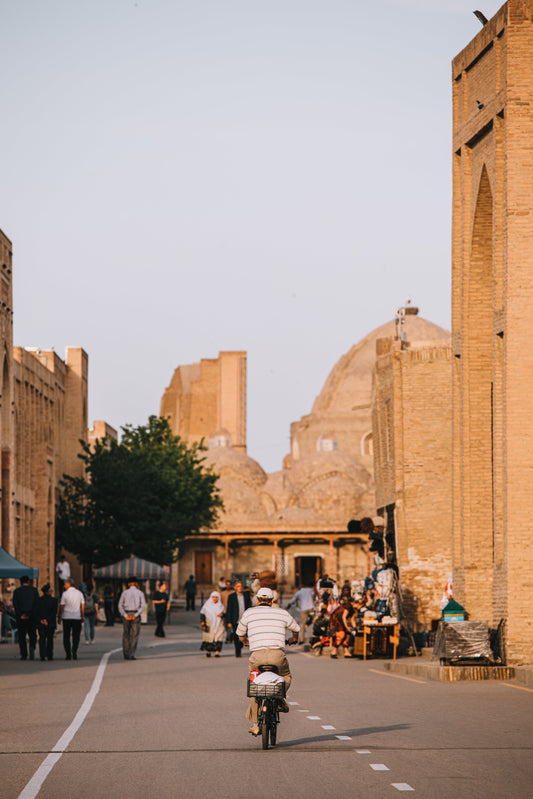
(265, 727)
(273, 728)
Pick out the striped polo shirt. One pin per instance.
(265, 627)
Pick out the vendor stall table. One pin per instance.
(378, 639)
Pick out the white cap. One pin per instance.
(265, 593)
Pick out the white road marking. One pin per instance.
(401, 786)
(363, 751)
(343, 737)
(34, 785)
(327, 727)
(314, 718)
(379, 767)
(293, 703)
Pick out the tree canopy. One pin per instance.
(140, 496)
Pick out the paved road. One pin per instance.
(172, 724)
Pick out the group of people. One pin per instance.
(38, 615)
(220, 615)
(337, 616)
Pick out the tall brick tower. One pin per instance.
(492, 325)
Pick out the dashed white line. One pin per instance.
(303, 711)
(363, 751)
(314, 718)
(327, 727)
(343, 737)
(401, 786)
(379, 767)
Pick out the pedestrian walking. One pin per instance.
(161, 603)
(63, 572)
(304, 599)
(71, 615)
(238, 601)
(91, 609)
(25, 599)
(190, 592)
(212, 623)
(46, 617)
(130, 606)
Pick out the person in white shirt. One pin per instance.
(130, 606)
(63, 571)
(305, 601)
(72, 614)
(263, 628)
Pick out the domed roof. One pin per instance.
(226, 460)
(321, 464)
(349, 383)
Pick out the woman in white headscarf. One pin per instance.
(212, 619)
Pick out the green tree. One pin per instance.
(140, 496)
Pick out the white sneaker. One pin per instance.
(87, 643)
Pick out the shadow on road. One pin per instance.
(355, 733)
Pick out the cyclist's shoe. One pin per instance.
(283, 706)
(254, 730)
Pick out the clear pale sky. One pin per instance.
(180, 177)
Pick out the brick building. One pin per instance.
(492, 313)
(411, 410)
(43, 416)
(207, 398)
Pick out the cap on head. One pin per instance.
(379, 521)
(265, 593)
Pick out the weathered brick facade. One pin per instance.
(411, 411)
(43, 416)
(492, 315)
(207, 397)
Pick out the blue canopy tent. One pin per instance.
(132, 567)
(12, 568)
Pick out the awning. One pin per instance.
(132, 567)
(11, 567)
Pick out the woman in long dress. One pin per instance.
(212, 619)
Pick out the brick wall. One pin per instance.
(412, 456)
(492, 315)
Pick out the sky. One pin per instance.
(181, 177)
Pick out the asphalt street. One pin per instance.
(171, 723)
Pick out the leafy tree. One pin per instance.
(140, 496)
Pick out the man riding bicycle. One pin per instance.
(263, 626)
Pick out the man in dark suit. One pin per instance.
(46, 616)
(238, 602)
(25, 600)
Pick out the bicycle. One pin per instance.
(267, 698)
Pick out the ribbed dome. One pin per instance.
(349, 383)
(226, 460)
(321, 464)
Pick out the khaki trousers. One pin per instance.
(260, 657)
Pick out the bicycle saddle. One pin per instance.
(268, 667)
